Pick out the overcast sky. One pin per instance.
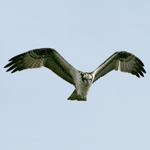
(34, 111)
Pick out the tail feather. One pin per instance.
(75, 96)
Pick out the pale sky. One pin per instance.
(34, 111)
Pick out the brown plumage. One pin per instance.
(51, 59)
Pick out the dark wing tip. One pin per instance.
(137, 75)
(140, 61)
(6, 66)
(14, 64)
(12, 68)
(136, 64)
(16, 69)
(140, 68)
(144, 70)
(17, 62)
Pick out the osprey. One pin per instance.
(51, 59)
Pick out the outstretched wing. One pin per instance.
(126, 62)
(47, 57)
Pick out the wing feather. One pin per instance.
(47, 57)
(124, 61)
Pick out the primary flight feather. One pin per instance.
(50, 58)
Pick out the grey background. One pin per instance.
(34, 110)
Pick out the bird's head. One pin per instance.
(86, 78)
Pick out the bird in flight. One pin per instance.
(51, 59)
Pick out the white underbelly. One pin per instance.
(82, 89)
